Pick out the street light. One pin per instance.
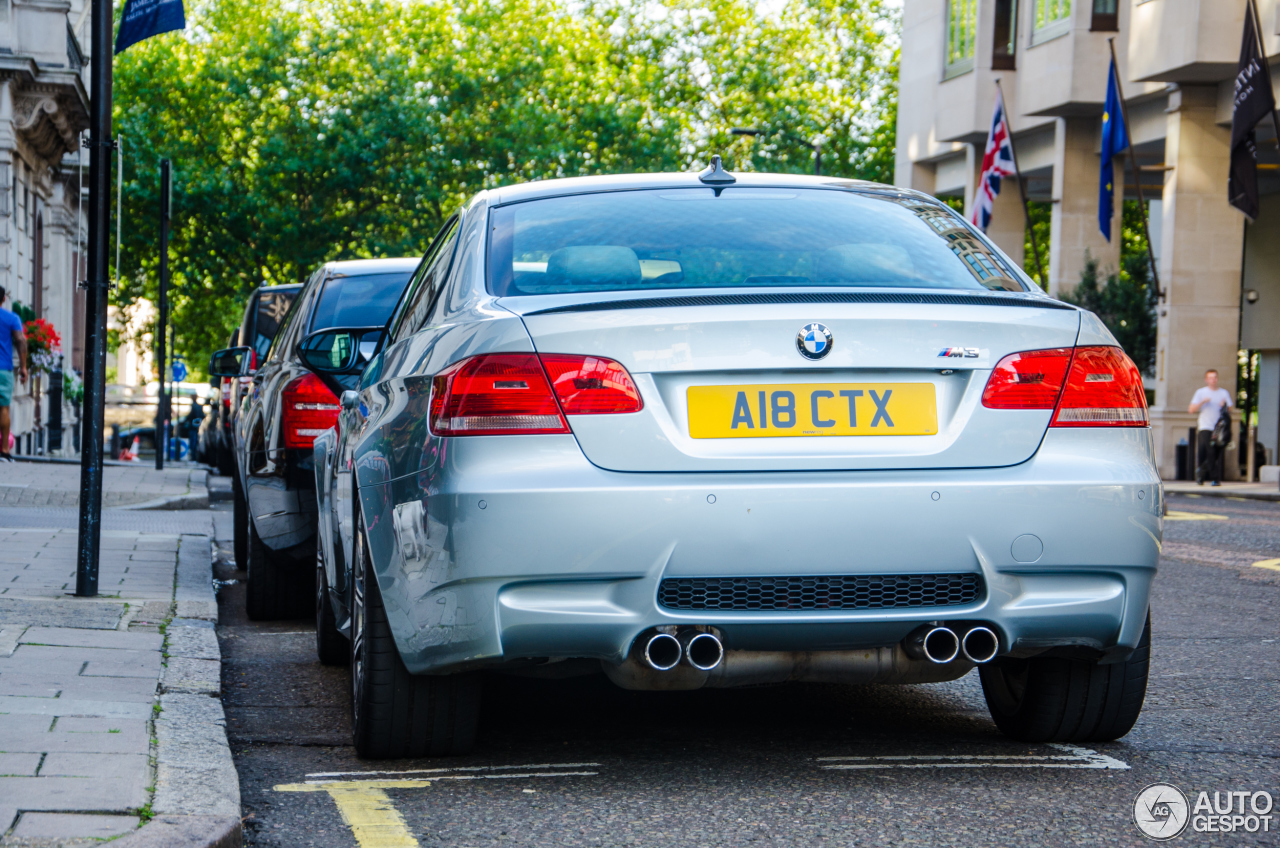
(815, 145)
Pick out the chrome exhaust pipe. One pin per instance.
(703, 651)
(935, 644)
(980, 645)
(662, 652)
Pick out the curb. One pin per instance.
(187, 501)
(185, 832)
(197, 791)
(1210, 492)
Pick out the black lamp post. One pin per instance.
(815, 146)
(101, 146)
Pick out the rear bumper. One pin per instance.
(514, 547)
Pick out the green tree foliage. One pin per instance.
(1039, 213)
(341, 129)
(1125, 300)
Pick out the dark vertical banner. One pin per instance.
(1254, 100)
(145, 18)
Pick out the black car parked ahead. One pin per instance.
(284, 408)
(263, 313)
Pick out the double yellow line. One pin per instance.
(367, 809)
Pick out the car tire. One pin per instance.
(225, 461)
(240, 524)
(276, 586)
(331, 646)
(1059, 699)
(394, 713)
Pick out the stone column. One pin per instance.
(1201, 250)
(1073, 229)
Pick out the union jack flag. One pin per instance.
(997, 163)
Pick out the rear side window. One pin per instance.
(272, 307)
(752, 237)
(364, 300)
(427, 281)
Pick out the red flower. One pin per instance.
(41, 336)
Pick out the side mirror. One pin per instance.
(350, 400)
(340, 350)
(229, 362)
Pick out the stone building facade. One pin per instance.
(1177, 62)
(43, 110)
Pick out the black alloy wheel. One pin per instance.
(1060, 699)
(394, 713)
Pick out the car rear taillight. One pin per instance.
(503, 394)
(1028, 380)
(309, 410)
(495, 394)
(1104, 389)
(1085, 386)
(226, 393)
(591, 385)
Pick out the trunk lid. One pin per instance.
(702, 363)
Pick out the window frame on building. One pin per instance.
(1004, 44)
(1105, 16)
(958, 59)
(1044, 28)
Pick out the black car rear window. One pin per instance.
(272, 307)
(756, 237)
(364, 300)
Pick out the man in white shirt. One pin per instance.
(1209, 400)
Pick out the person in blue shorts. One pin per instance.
(11, 337)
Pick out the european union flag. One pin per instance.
(1115, 138)
(145, 18)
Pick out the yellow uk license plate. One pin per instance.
(812, 409)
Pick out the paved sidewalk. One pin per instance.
(109, 707)
(1249, 491)
(35, 484)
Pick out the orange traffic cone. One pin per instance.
(130, 454)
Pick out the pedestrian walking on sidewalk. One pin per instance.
(1210, 401)
(12, 337)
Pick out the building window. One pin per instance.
(962, 21)
(1106, 16)
(1051, 19)
(1006, 36)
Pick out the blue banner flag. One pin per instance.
(1115, 138)
(145, 18)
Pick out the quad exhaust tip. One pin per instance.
(936, 644)
(940, 645)
(703, 651)
(980, 645)
(662, 652)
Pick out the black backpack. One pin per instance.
(1222, 430)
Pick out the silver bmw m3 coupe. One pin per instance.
(712, 430)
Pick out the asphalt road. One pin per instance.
(580, 762)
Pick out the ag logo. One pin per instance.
(814, 341)
(1161, 811)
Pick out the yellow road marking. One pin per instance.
(1179, 515)
(367, 809)
(1273, 564)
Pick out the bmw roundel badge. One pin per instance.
(814, 341)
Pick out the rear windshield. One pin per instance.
(359, 301)
(696, 238)
(272, 307)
